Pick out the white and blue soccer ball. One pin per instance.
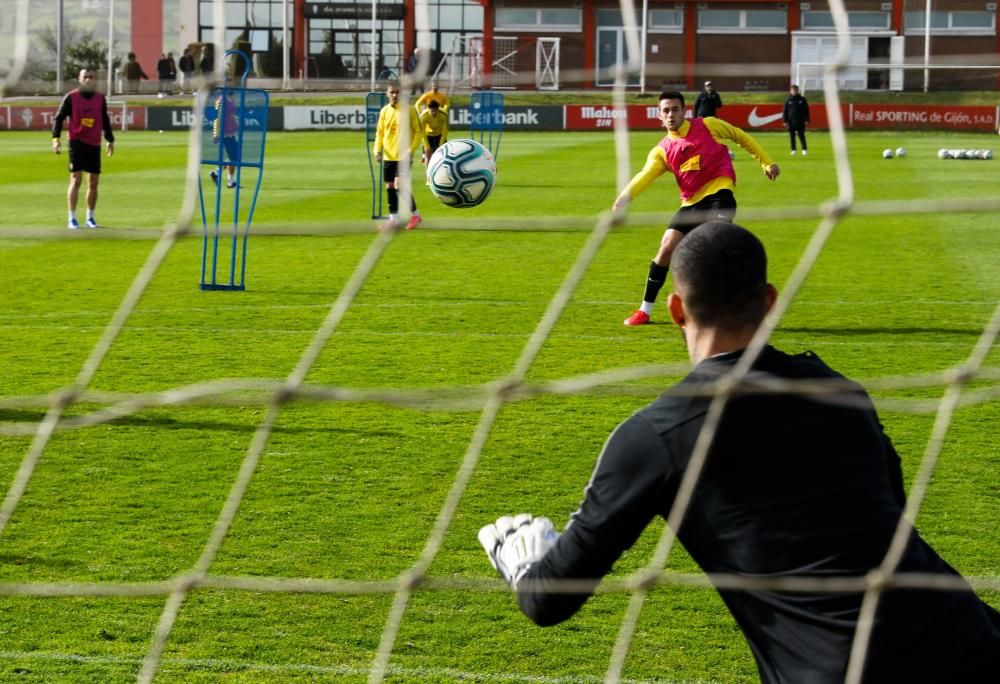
(887, 154)
(900, 151)
(462, 173)
(944, 154)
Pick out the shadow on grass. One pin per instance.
(971, 332)
(17, 416)
(14, 560)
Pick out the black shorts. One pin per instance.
(232, 148)
(433, 142)
(84, 157)
(719, 206)
(390, 169)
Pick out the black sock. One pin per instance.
(393, 200)
(657, 279)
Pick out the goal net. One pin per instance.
(505, 413)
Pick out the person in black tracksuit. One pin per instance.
(792, 486)
(708, 101)
(796, 117)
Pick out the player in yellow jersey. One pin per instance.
(433, 95)
(388, 139)
(435, 125)
(694, 151)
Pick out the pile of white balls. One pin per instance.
(945, 153)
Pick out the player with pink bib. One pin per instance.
(695, 152)
(87, 111)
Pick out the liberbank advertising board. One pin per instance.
(352, 117)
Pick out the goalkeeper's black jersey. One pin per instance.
(792, 487)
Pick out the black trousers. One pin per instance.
(799, 129)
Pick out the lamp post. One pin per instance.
(59, 48)
(111, 44)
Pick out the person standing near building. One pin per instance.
(796, 117)
(794, 485)
(186, 66)
(694, 151)
(87, 111)
(412, 62)
(133, 74)
(388, 151)
(708, 101)
(173, 70)
(207, 64)
(164, 73)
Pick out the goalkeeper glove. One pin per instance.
(514, 544)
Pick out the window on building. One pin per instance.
(743, 21)
(666, 20)
(961, 23)
(866, 21)
(253, 26)
(525, 19)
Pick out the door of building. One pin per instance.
(611, 51)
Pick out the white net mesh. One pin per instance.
(489, 400)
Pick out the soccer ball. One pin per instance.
(987, 154)
(732, 155)
(462, 173)
(887, 154)
(900, 151)
(943, 153)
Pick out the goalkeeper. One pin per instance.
(388, 139)
(793, 486)
(696, 154)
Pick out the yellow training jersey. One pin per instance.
(388, 134)
(656, 161)
(435, 124)
(424, 101)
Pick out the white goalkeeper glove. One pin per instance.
(514, 544)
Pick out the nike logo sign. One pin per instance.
(757, 121)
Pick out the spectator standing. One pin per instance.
(186, 66)
(708, 101)
(796, 117)
(207, 65)
(165, 74)
(133, 74)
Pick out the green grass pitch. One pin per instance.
(351, 490)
